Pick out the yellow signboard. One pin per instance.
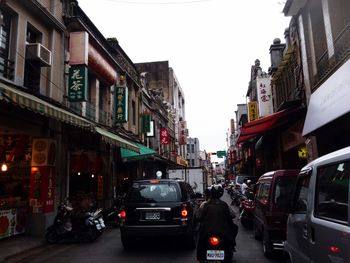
(253, 113)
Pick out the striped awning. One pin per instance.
(33, 103)
(116, 140)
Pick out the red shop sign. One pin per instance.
(164, 136)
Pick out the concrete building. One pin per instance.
(193, 152)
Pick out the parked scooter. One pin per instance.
(214, 248)
(247, 206)
(83, 226)
(111, 216)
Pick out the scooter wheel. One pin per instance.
(93, 234)
(51, 237)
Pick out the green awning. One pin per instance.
(114, 139)
(144, 152)
(30, 102)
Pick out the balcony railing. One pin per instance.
(325, 65)
(342, 44)
(104, 117)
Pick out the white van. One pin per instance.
(318, 227)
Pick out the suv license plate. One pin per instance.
(152, 215)
(215, 254)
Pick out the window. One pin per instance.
(263, 192)
(332, 192)
(6, 66)
(32, 69)
(133, 110)
(192, 148)
(301, 196)
(150, 193)
(284, 191)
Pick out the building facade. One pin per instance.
(325, 52)
(193, 152)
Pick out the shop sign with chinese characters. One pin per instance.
(164, 136)
(183, 133)
(121, 107)
(252, 111)
(264, 96)
(77, 84)
(146, 123)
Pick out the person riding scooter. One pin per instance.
(215, 217)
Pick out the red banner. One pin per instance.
(182, 133)
(164, 136)
(42, 189)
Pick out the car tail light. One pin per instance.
(184, 212)
(122, 214)
(214, 241)
(334, 249)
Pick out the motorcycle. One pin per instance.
(247, 206)
(214, 248)
(236, 197)
(66, 226)
(111, 216)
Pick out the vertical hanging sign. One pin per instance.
(164, 136)
(77, 84)
(253, 111)
(182, 133)
(146, 123)
(121, 107)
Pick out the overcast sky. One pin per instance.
(210, 44)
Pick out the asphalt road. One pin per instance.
(108, 248)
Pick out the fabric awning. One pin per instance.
(116, 140)
(33, 103)
(259, 127)
(143, 153)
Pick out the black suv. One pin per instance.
(163, 207)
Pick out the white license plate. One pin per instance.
(152, 215)
(215, 254)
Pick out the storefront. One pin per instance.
(15, 152)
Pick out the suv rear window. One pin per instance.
(284, 191)
(153, 193)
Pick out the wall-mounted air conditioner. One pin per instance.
(37, 52)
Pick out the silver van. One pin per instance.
(318, 227)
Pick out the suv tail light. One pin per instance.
(214, 241)
(122, 214)
(184, 212)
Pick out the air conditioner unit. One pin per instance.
(36, 51)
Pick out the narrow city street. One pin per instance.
(108, 248)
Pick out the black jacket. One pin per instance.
(215, 217)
